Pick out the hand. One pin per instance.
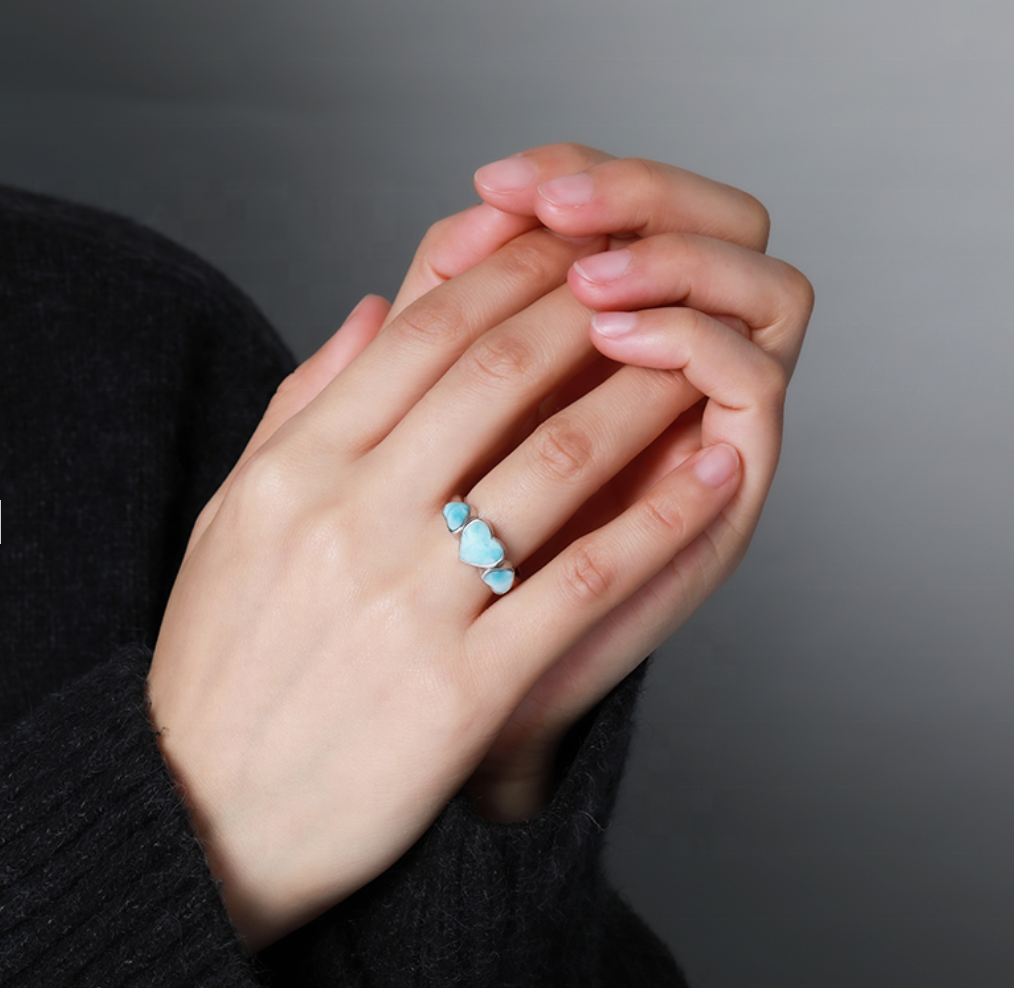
(727, 321)
(327, 674)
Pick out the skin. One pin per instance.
(328, 675)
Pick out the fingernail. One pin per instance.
(603, 268)
(614, 323)
(571, 190)
(717, 465)
(508, 175)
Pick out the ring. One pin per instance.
(479, 547)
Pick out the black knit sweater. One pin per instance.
(131, 375)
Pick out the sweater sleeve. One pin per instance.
(101, 879)
(131, 376)
(135, 373)
(490, 905)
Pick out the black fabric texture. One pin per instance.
(131, 376)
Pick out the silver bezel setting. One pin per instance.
(504, 566)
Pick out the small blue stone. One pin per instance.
(456, 514)
(499, 580)
(478, 547)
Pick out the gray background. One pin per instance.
(821, 792)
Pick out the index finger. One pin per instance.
(580, 192)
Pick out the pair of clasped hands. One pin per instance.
(595, 358)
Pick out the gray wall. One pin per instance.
(822, 789)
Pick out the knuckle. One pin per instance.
(562, 449)
(577, 155)
(436, 319)
(664, 515)
(529, 260)
(588, 575)
(500, 358)
(263, 485)
(642, 173)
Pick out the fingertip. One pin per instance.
(505, 177)
(369, 308)
(717, 465)
(612, 325)
(622, 337)
(375, 301)
(568, 191)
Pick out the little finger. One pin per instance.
(569, 596)
(541, 485)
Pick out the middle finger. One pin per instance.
(381, 386)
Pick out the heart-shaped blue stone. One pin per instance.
(478, 547)
(499, 580)
(456, 514)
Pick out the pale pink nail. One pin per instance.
(508, 175)
(571, 190)
(614, 323)
(717, 465)
(603, 268)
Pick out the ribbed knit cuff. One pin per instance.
(479, 904)
(102, 881)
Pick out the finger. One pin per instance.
(470, 418)
(638, 625)
(510, 184)
(566, 599)
(745, 387)
(455, 244)
(301, 387)
(407, 359)
(619, 642)
(722, 364)
(715, 277)
(580, 192)
(539, 487)
(647, 198)
(650, 616)
(751, 384)
(533, 492)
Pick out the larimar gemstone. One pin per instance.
(499, 580)
(456, 514)
(478, 547)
